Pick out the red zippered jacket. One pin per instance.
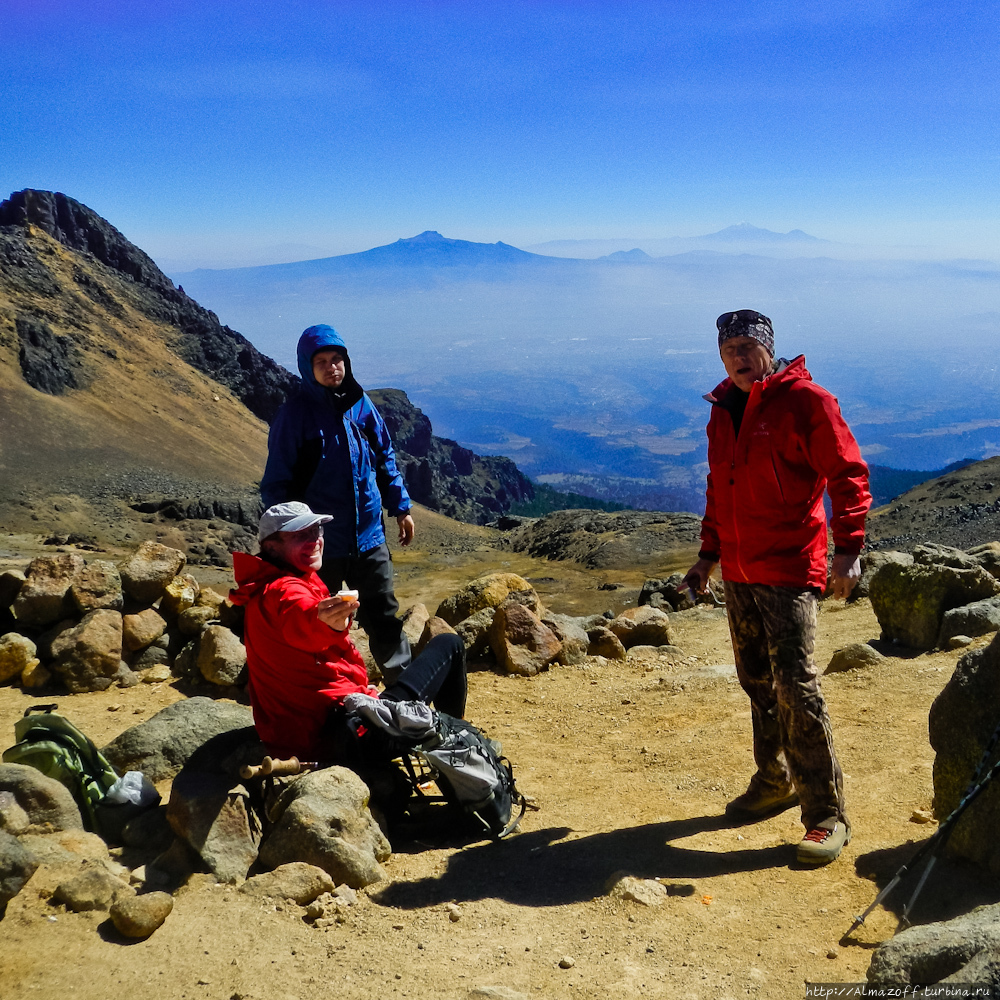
(764, 514)
(299, 667)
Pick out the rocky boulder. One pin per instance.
(142, 629)
(211, 814)
(910, 601)
(978, 618)
(17, 865)
(30, 802)
(963, 950)
(44, 598)
(962, 720)
(871, 563)
(323, 819)
(642, 626)
(222, 658)
(88, 656)
(475, 633)
(487, 591)
(98, 586)
(520, 642)
(856, 656)
(17, 654)
(162, 745)
(571, 634)
(146, 573)
(603, 642)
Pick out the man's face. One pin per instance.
(746, 361)
(302, 550)
(329, 368)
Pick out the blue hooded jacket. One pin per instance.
(331, 449)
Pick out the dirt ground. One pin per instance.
(630, 766)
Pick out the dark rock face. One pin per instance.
(441, 474)
(962, 720)
(202, 341)
(49, 363)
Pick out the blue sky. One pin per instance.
(223, 133)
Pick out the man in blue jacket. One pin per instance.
(329, 448)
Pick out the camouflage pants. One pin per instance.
(774, 631)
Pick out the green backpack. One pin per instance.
(54, 746)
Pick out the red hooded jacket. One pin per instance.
(764, 513)
(298, 666)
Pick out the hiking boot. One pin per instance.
(823, 843)
(757, 802)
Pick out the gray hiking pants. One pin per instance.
(774, 632)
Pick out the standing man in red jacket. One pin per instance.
(776, 442)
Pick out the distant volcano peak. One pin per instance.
(427, 236)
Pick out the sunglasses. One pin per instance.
(306, 534)
(742, 316)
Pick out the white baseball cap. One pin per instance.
(292, 516)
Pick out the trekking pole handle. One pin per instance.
(270, 766)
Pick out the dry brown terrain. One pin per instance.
(630, 766)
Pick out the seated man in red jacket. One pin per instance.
(301, 660)
(776, 442)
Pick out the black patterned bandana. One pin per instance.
(746, 323)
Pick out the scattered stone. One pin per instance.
(567, 962)
(66, 847)
(44, 598)
(211, 815)
(921, 816)
(645, 891)
(453, 911)
(97, 586)
(17, 654)
(17, 865)
(978, 618)
(208, 598)
(47, 803)
(603, 642)
(987, 555)
(959, 951)
(643, 626)
(961, 722)
(146, 573)
(93, 889)
(520, 642)
(138, 916)
(487, 591)
(142, 629)
(162, 745)
(322, 818)
(157, 674)
(959, 641)
(222, 658)
(910, 601)
(856, 656)
(296, 881)
(88, 656)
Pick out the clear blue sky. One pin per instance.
(226, 132)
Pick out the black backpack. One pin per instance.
(471, 773)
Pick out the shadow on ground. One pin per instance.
(542, 868)
(954, 887)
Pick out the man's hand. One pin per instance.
(406, 529)
(336, 613)
(846, 572)
(697, 576)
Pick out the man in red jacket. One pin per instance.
(776, 442)
(300, 657)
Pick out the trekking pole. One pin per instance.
(935, 844)
(272, 767)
